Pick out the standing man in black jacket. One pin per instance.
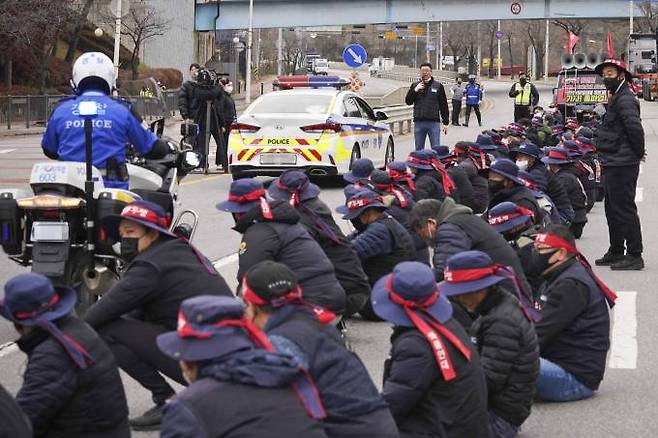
(161, 272)
(503, 334)
(574, 333)
(620, 142)
(71, 385)
(525, 97)
(429, 100)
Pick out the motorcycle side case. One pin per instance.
(49, 258)
(11, 229)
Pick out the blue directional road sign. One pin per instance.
(354, 55)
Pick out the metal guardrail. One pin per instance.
(31, 111)
(399, 116)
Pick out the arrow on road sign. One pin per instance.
(357, 58)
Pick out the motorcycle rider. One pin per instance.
(116, 125)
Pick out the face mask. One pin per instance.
(471, 81)
(522, 164)
(537, 263)
(459, 82)
(228, 89)
(129, 248)
(523, 81)
(496, 186)
(611, 84)
(358, 225)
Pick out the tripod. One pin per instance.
(213, 123)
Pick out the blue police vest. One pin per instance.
(114, 128)
(473, 94)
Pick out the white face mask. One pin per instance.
(228, 88)
(522, 164)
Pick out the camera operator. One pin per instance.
(194, 99)
(228, 110)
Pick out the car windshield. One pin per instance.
(321, 64)
(292, 104)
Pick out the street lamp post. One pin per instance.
(117, 39)
(250, 38)
(236, 41)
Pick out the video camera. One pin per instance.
(207, 77)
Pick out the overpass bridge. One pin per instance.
(234, 14)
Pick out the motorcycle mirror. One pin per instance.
(191, 160)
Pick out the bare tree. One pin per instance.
(142, 23)
(454, 39)
(79, 19)
(537, 37)
(491, 28)
(649, 21)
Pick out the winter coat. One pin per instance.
(192, 103)
(381, 246)
(346, 262)
(480, 186)
(62, 400)
(156, 282)
(421, 401)
(507, 344)
(464, 192)
(620, 138)
(429, 185)
(254, 390)
(401, 214)
(14, 422)
(574, 332)
(554, 189)
(519, 195)
(354, 407)
(429, 102)
(283, 239)
(459, 230)
(576, 192)
(473, 94)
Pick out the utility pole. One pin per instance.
(416, 52)
(117, 39)
(479, 51)
(250, 40)
(630, 15)
(279, 54)
(548, 34)
(499, 61)
(440, 46)
(427, 42)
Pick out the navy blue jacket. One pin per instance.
(283, 239)
(14, 422)
(354, 407)
(551, 185)
(114, 127)
(429, 185)
(63, 400)
(473, 93)
(574, 332)
(421, 401)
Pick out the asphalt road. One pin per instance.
(624, 406)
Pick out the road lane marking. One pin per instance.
(225, 261)
(623, 353)
(201, 180)
(6, 151)
(639, 194)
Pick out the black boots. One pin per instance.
(608, 259)
(149, 420)
(629, 263)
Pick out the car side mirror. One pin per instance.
(380, 115)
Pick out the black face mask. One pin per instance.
(611, 84)
(537, 263)
(129, 248)
(358, 225)
(496, 186)
(522, 82)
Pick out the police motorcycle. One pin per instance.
(55, 226)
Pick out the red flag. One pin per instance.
(573, 40)
(611, 48)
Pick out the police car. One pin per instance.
(310, 123)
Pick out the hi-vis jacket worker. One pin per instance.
(116, 124)
(525, 96)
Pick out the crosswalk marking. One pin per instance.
(6, 151)
(623, 353)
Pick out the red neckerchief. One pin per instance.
(390, 188)
(430, 329)
(446, 181)
(557, 242)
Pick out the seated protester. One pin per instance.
(472, 166)
(528, 158)
(452, 228)
(15, 423)
(239, 386)
(360, 170)
(574, 333)
(271, 231)
(562, 166)
(381, 242)
(399, 203)
(428, 178)
(502, 149)
(71, 384)
(162, 271)
(591, 164)
(401, 176)
(505, 185)
(294, 187)
(486, 143)
(550, 214)
(433, 379)
(503, 334)
(586, 174)
(464, 189)
(274, 304)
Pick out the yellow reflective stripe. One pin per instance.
(523, 98)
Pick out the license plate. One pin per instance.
(278, 159)
(50, 232)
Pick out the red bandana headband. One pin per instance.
(145, 214)
(557, 154)
(403, 176)
(294, 193)
(430, 328)
(557, 242)
(390, 188)
(254, 196)
(520, 211)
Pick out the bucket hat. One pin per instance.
(145, 213)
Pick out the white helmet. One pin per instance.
(93, 64)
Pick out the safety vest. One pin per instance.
(523, 98)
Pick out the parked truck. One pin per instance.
(642, 63)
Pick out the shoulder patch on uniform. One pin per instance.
(243, 248)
